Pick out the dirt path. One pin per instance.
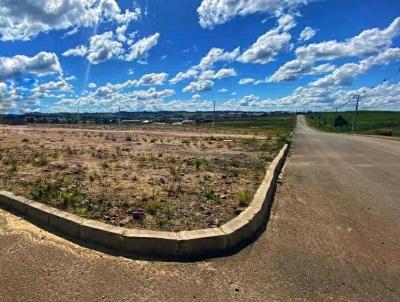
(333, 235)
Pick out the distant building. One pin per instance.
(188, 122)
(131, 121)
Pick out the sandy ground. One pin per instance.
(333, 235)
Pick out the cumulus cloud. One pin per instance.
(110, 45)
(44, 89)
(222, 73)
(79, 51)
(199, 86)
(92, 85)
(214, 12)
(44, 63)
(153, 79)
(110, 96)
(345, 74)
(141, 48)
(307, 33)
(266, 47)
(184, 75)
(25, 19)
(295, 68)
(217, 55)
(103, 47)
(368, 42)
(246, 81)
(203, 69)
(270, 44)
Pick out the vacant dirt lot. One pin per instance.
(178, 181)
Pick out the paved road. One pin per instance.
(334, 234)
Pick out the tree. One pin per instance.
(340, 122)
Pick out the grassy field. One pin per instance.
(164, 180)
(368, 122)
(279, 125)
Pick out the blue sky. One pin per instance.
(263, 55)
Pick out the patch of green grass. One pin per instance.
(368, 122)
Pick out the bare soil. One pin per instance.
(163, 181)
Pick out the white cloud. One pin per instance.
(79, 51)
(199, 86)
(120, 32)
(25, 19)
(141, 48)
(44, 63)
(223, 90)
(345, 74)
(92, 85)
(270, 44)
(153, 79)
(248, 100)
(307, 33)
(246, 81)
(295, 68)
(286, 22)
(368, 42)
(217, 55)
(206, 63)
(44, 89)
(104, 47)
(189, 74)
(3, 86)
(214, 12)
(222, 73)
(110, 45)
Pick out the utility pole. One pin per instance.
(213, 120)
(119, 115)
(333, 123)
(353, 128)
(78, 117)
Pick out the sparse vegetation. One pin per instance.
(173, 181)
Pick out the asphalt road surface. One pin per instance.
(333, 234)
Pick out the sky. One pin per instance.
(151, 55)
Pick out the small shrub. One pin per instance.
(209, 195)
(199, 162)
(243, 198)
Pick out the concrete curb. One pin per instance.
(174, 245)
